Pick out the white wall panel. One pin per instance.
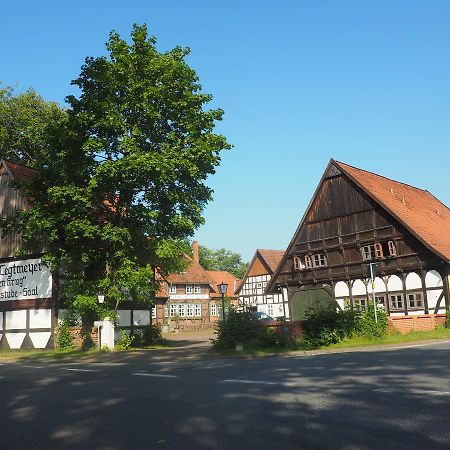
(359, 288)
(413, 281)
(40, 318)
(15, 340)
(395, 283)
(341, 289)
(432, 297)
(40, 339)
(433, 279)
(16, 319)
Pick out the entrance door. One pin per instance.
(303, 300)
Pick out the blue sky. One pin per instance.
(367, 83)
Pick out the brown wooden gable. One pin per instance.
(11, 200)
(258, 267)
(341, 218)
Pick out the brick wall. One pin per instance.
(426, 322)
(78, 332)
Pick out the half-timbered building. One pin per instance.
(252, 289)
(28, 290)
(358, 221)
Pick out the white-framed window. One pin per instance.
(189, 289)
(270, 310)
(173, 289)
(360, 303)
(308, 262)
(213, 310)
(190, 310)
(182, 310)
(319, 260)
(173, 309)
(197, 289)
(154, 312)
(415, 300)
(198, 310)
(392, 248)
(258, 285)
(396, 301)
(372, 251)
(166, 310)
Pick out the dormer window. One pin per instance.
(372, 251)
(173, 289)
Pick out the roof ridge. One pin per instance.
(19, 164)
(382, 176)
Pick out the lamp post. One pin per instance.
(222, 290)
(373, 268)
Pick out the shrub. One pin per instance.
(146, 336)
(64, 338)
(325, 326)
(124, 342)
(368, 327)
(243, 328)
(447, 319)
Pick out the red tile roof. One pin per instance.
(416, 209)
(18, 171)
(194, 273)
(271, 257)
(221, 276)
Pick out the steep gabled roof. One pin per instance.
(193, 273)
(19, 172)
(221, 276)
(269, 258)
(416, 209)
(422, 214)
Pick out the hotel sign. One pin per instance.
(27, 279)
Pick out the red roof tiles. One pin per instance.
(18, 171)
(416, 209)
(221, 276)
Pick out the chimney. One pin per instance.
(195, 251)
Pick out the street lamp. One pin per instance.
(223, 290)
(100, 298)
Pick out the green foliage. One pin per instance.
(64, 338)
(124, 342)
(222, 259)
(147, 336)
(28, 125)
(122, 172)
(367, 325)
(243, 328)
(447, 319)
(325, 325)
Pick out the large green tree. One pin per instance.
(124, 183)
(222, 259)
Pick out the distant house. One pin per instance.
(356, 221)
(193, 300)
(251, 290)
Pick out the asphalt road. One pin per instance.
(389, 399)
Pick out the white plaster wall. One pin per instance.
(341, 289)
(15, 340)
(40, 318)
(16, 319)
(380, 287)
(124, 317)
(416, 312)
(433, 279)
(413, 281)
(40, 339)
(359, 288)
(340, 302)
(141, 317)
(432, 296)
(395, 283)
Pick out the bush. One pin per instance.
(325, 325)
(243, 328)
(64, 338)
(149, 335)
(447, 319)
(368, 327)
(124, 342)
